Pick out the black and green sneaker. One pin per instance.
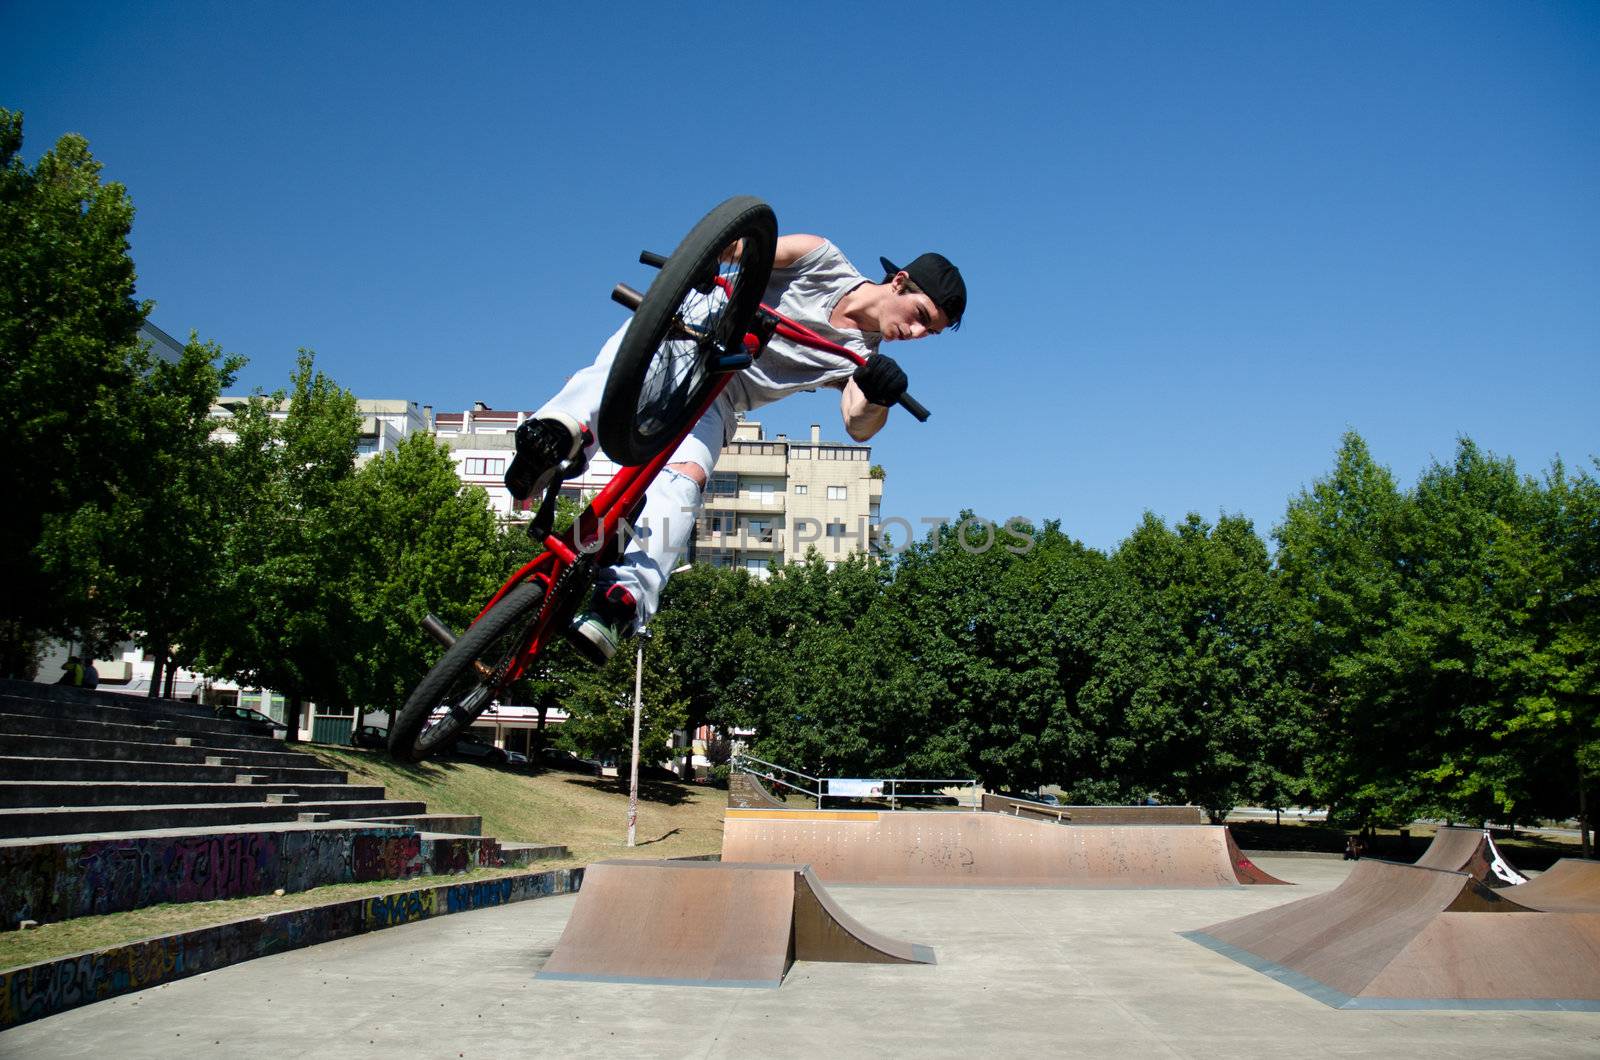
(597, 632)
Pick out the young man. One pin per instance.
(812, 283)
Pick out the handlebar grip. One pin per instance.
(915, 407)
(624, 295)
(655, 261)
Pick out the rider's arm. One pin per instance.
(792, 248)
(862, 419)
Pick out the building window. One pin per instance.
(765, 492)
(757, 566)
(478, 465)
(723, 484)
(801, 489)
(719, 524)
(801, 454)
(760, 530)
(835, 529)
(836, 493)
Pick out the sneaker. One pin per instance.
(543, 445)
(609, 621)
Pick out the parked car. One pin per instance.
(259, 723)
(516, 758)
(466, 747)
(370, 736)
(566, 761)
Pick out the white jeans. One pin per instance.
(672, 503)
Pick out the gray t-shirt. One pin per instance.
(807, 293)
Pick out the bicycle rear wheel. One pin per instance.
(668, 358)
(447, 701)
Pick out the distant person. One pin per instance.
(71, 672)
(812, 283)
(91, 676)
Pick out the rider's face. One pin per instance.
(908, 313)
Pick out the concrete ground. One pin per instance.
(1028, 972)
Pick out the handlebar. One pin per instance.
(789, 329)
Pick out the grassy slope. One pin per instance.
(589, 815)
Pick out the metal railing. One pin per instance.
(962, 793)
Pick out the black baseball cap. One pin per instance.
(938, 279)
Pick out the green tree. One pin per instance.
(1339, 564)
(1548, 672)
(416, 543)
(283, 616)
(68, 363)
(1232, 720)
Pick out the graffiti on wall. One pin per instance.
(44, 989)
(49, 882)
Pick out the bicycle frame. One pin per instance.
(600, 522)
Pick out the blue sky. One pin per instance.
(1202, 240)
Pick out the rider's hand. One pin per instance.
(881, 380)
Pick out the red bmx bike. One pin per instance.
(700, 321)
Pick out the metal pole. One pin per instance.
(638, 708)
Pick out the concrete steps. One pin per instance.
(132, 712)
(110, 803)
(47, 745)
(35, 821)
(246, 788)
(142, 732)
(458, 824)
(82, 875)
(99, 770)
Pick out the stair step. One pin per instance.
(54, 746)
(94, 793)
(16, 823)
(215, 738)
(422, 821)
(22, 767)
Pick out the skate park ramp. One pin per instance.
(1473, 851)
(1571, 885)
(1401, 936)
(911, 848)
(702, 923)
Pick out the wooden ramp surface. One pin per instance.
(1402, 936)
(1571, 885)
(910, 848)
(699, 923)
(1473, 851)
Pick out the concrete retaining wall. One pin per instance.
(41, 990)
(55, 881)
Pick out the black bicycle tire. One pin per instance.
(518, 605)
(741, 217)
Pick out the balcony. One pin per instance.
(773, 505)
(752, 463)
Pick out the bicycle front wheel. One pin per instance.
(667, 361)
(461, 686)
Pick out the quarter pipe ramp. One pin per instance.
(1571, 885)
(1470, 850)
(699, 923)
(1402, 936)
(911, 848)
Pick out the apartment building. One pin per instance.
(772, 500)
(483, 440)
(769, 500)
